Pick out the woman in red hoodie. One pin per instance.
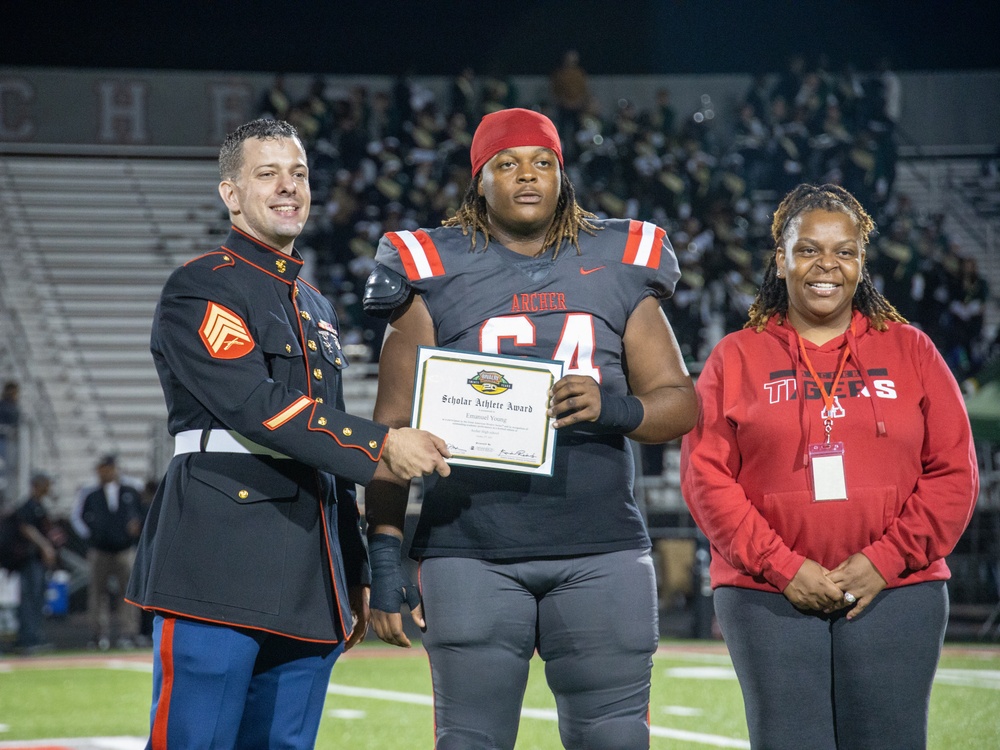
(832, 469)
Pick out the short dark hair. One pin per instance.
(231, 153)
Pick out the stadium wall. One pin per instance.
(196, 109)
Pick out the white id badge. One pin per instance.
(827, 464)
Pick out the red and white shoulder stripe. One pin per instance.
(645, 241)
(416, 250)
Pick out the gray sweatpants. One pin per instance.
(825, 683)
(593, 620)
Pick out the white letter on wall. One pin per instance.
(15, 122)
(229, 103)
(122, 112)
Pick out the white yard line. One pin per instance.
(982, 678)
(380, 695)
(544, 714)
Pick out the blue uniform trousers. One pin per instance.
(218, 687)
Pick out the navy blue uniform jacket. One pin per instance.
(241, 344)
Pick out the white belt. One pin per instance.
(219, 441)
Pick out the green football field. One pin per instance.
(379, 699)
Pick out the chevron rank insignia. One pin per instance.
(224, 333)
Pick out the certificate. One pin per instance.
(491, 410)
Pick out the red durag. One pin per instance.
(510, 128)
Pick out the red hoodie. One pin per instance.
(910, 465)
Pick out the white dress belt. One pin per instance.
(219, 441)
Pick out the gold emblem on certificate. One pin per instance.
(490, 409)
(489, 382)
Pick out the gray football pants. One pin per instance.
(593, 620)
(825, 683)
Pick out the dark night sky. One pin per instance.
(521, 37)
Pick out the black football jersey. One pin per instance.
(574, 309)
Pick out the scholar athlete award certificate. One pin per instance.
(490, 409)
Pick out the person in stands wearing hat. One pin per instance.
(109, 517)
(511, 563)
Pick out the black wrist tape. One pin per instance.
(620, 413)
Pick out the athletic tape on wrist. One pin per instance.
(620, 413)
(390, 586)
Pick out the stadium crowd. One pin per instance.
(383, 160)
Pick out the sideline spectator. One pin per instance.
(109, 517)
(42, 539)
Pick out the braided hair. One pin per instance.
(569, 219)
(772, 297)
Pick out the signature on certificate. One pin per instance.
(519, 454)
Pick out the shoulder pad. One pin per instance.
(385, 290)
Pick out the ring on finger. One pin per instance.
(849, 597)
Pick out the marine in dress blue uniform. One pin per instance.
(250, 356)
(251, 554)
(266, 540)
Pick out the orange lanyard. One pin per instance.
(827, 395)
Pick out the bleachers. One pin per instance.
(88, 243)
(955, 187)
